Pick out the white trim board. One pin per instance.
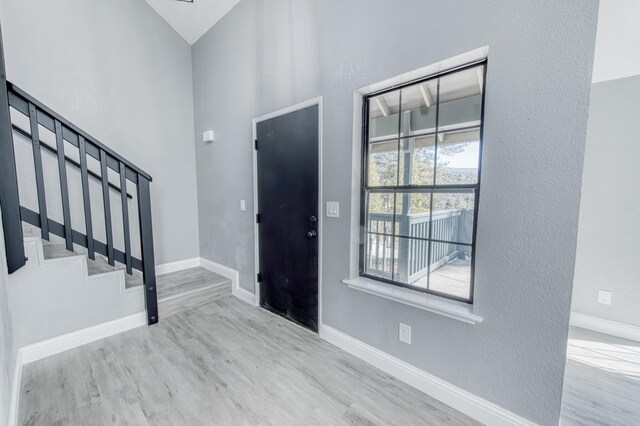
(234, 276)
(56, 345)
(316, 101)
(612, 328)
(16, 383)
(459, 399)
(167, 268)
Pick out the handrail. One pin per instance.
(40, 115)
(13, 89)
(71, 161)
(9, 194)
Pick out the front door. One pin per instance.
(287, 174)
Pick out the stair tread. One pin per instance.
(189, 281)
(56, 251)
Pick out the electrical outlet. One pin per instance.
(404, 333)
(604, 297)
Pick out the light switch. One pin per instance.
(242, 205)
(333, 209)
(208, 136)
(604, 297)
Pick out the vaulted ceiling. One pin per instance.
(192, 20)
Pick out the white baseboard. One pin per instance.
(600, 325)
(15, 391)
(40, 350)
(484, 411)
(244, 295)
(234, 276)
(167, 268)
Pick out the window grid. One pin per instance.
(410, 189)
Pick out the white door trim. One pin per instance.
(255, 121)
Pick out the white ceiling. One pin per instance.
(617, 40)
(192, 20)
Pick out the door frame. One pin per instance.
(256, 236)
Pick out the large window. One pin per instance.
(421, 182)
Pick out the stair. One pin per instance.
(189, 288)
(177, 291)
(56, 248)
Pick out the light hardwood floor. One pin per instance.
(602, 380)
(224, 362)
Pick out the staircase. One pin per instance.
(102, 208)
(177, 291)
(59, 292)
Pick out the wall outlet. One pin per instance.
(333, 209)
(404, 333)
(243, 207)
(604, 297)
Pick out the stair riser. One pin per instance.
(192, 300)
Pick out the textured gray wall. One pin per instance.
(117, 70)
(266, 55)
(8, 343)
(609, 232)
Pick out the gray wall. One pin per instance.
(8, 343)
(608, 251)
(266, 55)
(117, 70)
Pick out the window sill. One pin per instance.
(427, 302)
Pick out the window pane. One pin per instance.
(418, 108)
(452, 217)
(412, 214)
(417, 157)
(411, 266)
(460, 99)
(450, 269)
(458, 157)
(379, 215)
(383, 164)
(378, 260)
(383, 116)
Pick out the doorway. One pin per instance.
(287, 189)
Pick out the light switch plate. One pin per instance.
(404, 333)
(604, 297)
(333, 209)
(242, 205)
(208, 136)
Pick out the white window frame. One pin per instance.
(449, 308)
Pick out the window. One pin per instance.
(421, 182)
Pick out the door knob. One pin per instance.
(313, 219)
(312, 234)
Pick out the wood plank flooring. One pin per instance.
(222, 363)
(602, 380)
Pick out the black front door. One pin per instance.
(287, 152)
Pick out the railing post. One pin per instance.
(146, 240)
(9, 199)
(106, 201)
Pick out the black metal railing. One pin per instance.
(9, 200)
(39, 115)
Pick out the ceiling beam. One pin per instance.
(382, 104)
(426, 95)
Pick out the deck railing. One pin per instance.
(410, 256)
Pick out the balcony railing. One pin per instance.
(409, 257)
